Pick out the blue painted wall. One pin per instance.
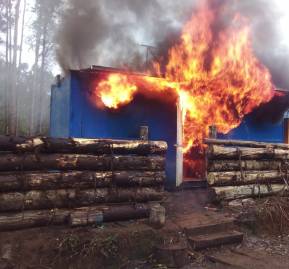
(252, 129)
(60, 109)
(88, 121)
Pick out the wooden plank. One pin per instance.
(215, 239)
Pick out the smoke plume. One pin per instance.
(110, 32)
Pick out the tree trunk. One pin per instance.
(245, 178)
(241, 192)
(218, 152)
(28, 162)
(20, 62)
(235, 165)
(22, 33)
(78, 180)
(81, 146)
(7, 64)
(13, 90)
(42, 71)
(70, 198)
(34, 87)
(30, 219)
(241, 143)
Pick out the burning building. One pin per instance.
(209, 77)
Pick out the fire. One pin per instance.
(116, 90)
(216, 77)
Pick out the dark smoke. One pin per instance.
(109, 32)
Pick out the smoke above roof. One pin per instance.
(110, 32)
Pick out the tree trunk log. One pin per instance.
(219, 152)
(30, 219)
(234, 165)
(245, 178)
(242, 143)
(247, 191)
(25, 181)
(69, 198)
(86, 216)
(14, 162)
(81, 146)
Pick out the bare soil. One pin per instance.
(131, 245)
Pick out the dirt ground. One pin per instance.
(131, 245)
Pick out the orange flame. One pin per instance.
(218, 80)
(116, 90)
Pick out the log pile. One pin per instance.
(77, 181)
(242, 169)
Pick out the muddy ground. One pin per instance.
(130, 245)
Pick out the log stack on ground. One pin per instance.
(241, 169)
(46, 180)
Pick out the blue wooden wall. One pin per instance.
(262, 131)
(88, 121)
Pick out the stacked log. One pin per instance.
(46, 180)
(242, 169)
(74, 217)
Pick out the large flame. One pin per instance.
(217, 79)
